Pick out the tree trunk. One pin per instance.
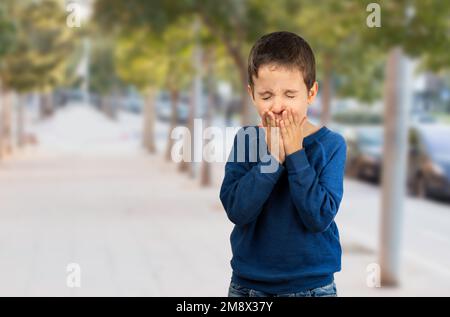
(205, 176)
(46, 105)
(245, 118)
(21, 121)
(234, 50)
(174, 97)
(104, 104)
(194, 103)
(110, 106)
(148, 138)
(2, 105)
(6, 124)
(326, 91)
(242, 68)
(186, 163)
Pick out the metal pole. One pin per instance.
(398, 92)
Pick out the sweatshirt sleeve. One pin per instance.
(246, 188)
(317, 197)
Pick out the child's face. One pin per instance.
(278, 88)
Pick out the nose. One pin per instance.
(277, 107)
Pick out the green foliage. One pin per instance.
(145, 59)
(234, 24)
(7, 33)
(103, 75)
(43, 43)
(337, 31)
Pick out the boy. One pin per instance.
(285, 241)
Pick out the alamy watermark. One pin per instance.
(373, 20)
(76, 14)
(73, 278)
(373, 279)
(231, 144)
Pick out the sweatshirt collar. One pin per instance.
(308, 140)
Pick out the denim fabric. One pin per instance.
(236, 290)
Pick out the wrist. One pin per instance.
(279, 159)
(293, 150)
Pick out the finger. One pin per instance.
(272, 118)
(285, 117)
(302, 123)
(262, 122)
(284, 130)
(277, 127)
(267, 125)
(267, 120)
(282, 150)
(264, 118)
(297, 119)
(291, 118)
(274, 136)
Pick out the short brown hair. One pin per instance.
(285, 49)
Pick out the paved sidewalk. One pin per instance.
(137, 227)
(133, 225)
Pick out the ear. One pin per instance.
(250, 92)
(312, 93)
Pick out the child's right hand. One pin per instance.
(273, 136)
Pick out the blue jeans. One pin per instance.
(236, 290)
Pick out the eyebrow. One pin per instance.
(289, 91)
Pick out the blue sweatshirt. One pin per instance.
(285, 239)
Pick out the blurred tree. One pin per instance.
(104, 81)
(209, 67)
(236, 24)
(360, 75)
(145, 59)
(7, 32)
(7, 42)
(136, 60)
(43, 43)
(352, 55)
(418, 26)
(165, 59)
(343, 56)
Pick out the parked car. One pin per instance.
(133, 103)
(428, 171)
(421, 117)
(62, 97)
(429, 161)
(364, 157)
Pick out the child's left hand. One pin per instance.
(292, 131)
